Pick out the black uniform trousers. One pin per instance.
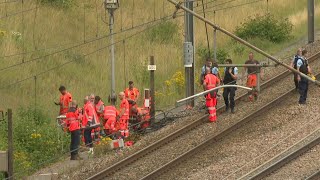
(88, 137)
(296, 82)
(303, 90)
(75, 142)
(228, 94)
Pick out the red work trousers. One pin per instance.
(124, 127)
(110, 125)
(211, 103)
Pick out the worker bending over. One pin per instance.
(211, 81)
(110, 114)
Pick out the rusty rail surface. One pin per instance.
(185, 129)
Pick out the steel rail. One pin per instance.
(267, 168)
(217, 27)
(314, 176)
(215, 138)
(185, 129)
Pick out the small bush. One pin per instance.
(203, 53)
(58, 3)
(165, 32)
(265, 27)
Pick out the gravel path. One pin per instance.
(242, 147)
(301, 167)
(181, 144)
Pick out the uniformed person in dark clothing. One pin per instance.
(303, 67)
(230, 77)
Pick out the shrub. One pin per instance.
(58, 3)
(203, 53)
(35, 141)
(165, 32)
(265, 27)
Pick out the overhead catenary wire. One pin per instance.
(17, 13)
(7, 2)
(62, 65)
(61, 45)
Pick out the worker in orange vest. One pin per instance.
(109, 115)
(90, 121)
(65, 99)
(73, 124)
(99, 106)
(124, 115)
(142, 116)
(132, 95)
(210, 82)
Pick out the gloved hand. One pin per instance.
(56, 103)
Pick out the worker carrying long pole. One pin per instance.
(211, 81)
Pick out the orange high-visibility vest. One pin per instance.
(211, 80)
(109, 111)
(99, 108)
(64, 102)
(125, 105)
(89, 114)
(73, 121)
(131, 94)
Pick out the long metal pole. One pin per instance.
(310, 21)
(208, 91)
(10, 145)
(113, 82)
(152, 92)
(243, 41)
(189, 71)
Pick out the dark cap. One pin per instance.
(130, 82)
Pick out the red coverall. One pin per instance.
(124, 119)
(109, 115)
(210, 82)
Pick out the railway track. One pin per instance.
(285, 157)
(108, 172)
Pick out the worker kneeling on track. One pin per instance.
(140, 117)
(110, 118)
(210, 82)
(73, 124)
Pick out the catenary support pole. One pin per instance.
(189, 37)
(310, 21)
(113, 81)
(242, 41)
(152, 92)
(10, 145)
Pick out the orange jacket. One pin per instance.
(72, 120)
(124, 105)
(89, 114)
(109, 111)
(131, 94)
(99, 108)
(210, 81)
(64, 102)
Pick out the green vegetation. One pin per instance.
(266, 27)
(166, 32)
(35, 140)
(58, 3)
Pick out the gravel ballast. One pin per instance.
(237, 153)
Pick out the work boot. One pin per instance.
(227, 108)
(232, 110)
(73, 157)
